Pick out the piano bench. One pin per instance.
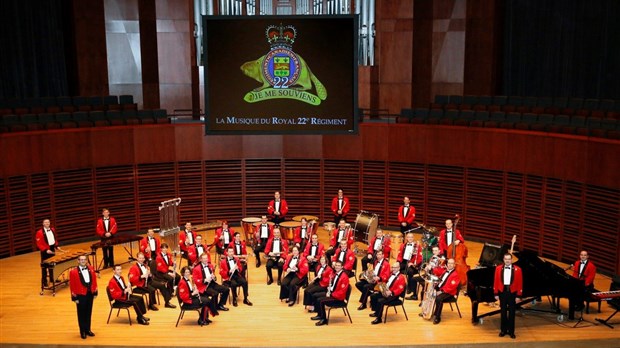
(590, 299)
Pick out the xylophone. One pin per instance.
(60, 263)
(126, 239)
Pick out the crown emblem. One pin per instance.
(281, 36)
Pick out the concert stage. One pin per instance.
(28, 319)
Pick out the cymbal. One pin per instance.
(432, 229)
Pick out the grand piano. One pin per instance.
(540, 278)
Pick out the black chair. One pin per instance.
(345, 306)
(455, 300)
(185, 307)
(399, 302)
(118, 305)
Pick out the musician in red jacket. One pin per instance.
(262, 234)
(340, 207)
(223, 237)
(141, 278)
(508, 287)
(447, 236)
(346, 257)
(296, 267)
(336, 293)
(584, 269)
(302, 234)
(277, 209)
(191, 299)
(194, 251)
(378, 242)
(319, 284)
(231, 271)
(106, 228)
(187, 238)
(313, 252)
(150, 244)
(410, 258)
(47, 242)
(446, 289)
(379, 274)
(83, 285)
(339, 234)
(406, 215)
(120, 291)
(241, 251)
(276, 249)
(206, 282)
(396, 285)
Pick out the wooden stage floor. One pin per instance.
(28, 319)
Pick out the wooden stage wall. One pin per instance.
(558, 193)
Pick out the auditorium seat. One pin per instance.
(522, 126)
(161, 116)
(498, 116)
(82, 119)
(455, 99)
(593, 122)
(449, 117)
(614, 134)
(529, 118)
(406, 116)
(609, 124)
(515, 100)
(116, 117)
(500, 100)
(479, 118)
(420, 115)
(590, 104)
(606, 104)
(66, 104)
(598, 113)
(31, 121)
(96, 103)
(441, 99)
(434, 116)
(81, 103)
(98, 118)
(544, 120)
(613, 115)
(66, 120)
(13, 124)
(465, 117)
(598, 133)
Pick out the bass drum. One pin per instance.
(366, 226)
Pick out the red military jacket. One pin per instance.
(443, 243)
(199, 276)
(345, 208)
(257, 232)
(225, 268)
(219, 233)
(385, 271)
(415, 257)
(78, 285)
(41, 239)
(325, 276)
(283, 247)
(302, 265)
(183, 236)
(144, 243)
(450, 285)
(410, 214)
(349, 259)
(184, 293)
(162, 265)
(240, 249)
(339, 290)
(516, 283)
(135, 275)
(387, 246)
(112, 227)
(320, 250)
(348, 235)
(272, 208)
(398, 284)
(309, 232)
(116, 290)
(193, 254)
(588, 273)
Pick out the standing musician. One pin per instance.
(313, 252)
(205, 281)
(194, 251)
(141, 278)
(341, 233)
(302, 234)
(47, 244)
(190, 298)
(378, 242)
(83, 285)
(231, 271)
(446, 289)
(187, 238)
(106, 228)
(276, 250)
(447, 236)
(223, 237)
(296, 267)
(406, 215)
(379, 274)
(121, 292)
(410, 258)
(166, 269)
(150, 245)
(508, 287)
(433, 267)
(584, 269)
(319, 284)
(395, 287)
(277, 209)
(346, 257)
(240, 251)
(340, 207)
(262, 234)
(335, 295)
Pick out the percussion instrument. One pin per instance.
(366, 225)
(209, 225)
(127, 241)
(288, 229)
(248, 229)
(60, 263)
(308, 218)
(259, 223)
(329, 226)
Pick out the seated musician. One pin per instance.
(313, 252)
(277, 209)
(346, 257)
(379, 274)
(395, 286)
(194, 251)
(190, 298)
(150, 245)
(241, 251)
(410, 258)
(319, 284)
(339, 234)
(231, 271)
(406, 215)
(166, 268)
(46, 243)
(446, 289)
(106, 228)
(584, 269)
(276, 250)
(141, 278)
(335, 294)
(378, 242)
(433, 267)
(206, 282)
(223, 237)
(296, 267)
(262, 234)
(302, 234)
(186, 238)
(447, 236)
(121, 292)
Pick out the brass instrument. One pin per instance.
(369, 275)
(383, 288)
(428, 305)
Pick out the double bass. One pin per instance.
(459, 254)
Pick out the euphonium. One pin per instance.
(369, 275)
(383, 288)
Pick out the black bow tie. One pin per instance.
(106, 219)
(83, 268)
(506, 267)
(406, 206)
(583, 262)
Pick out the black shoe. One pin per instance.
(270, 281)
(376, 321)
(143, 321)
(222, 308)
(362, 307)
(235, 303)
(153, 307)
(247, 302)
(257, 264)
(201, 322)
(513, 336)
(208, 321)
(83, 335)
(90, 333)
(291, 304)
(311, 311)
(502, 334)
(412, 297)
(372, 315)
(279, 282)
(145, 318)
(170, 305)
(321, 322)
(437, 321)
(316, 317)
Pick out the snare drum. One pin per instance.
(288, 229)
(366, 226)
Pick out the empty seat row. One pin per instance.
(67, 104)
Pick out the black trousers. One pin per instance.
(46, 271)
(507, 304)
(277, 219)
(138, 304)
(410, 271)
(108, 254)
(271, 263)
(214, 289)
(439, 300)
(322, 300)
(365, 288)
(310, 291)
(337, 218)
(260, 247)
(366, 261)
(290, 286)
(405, 228)
(377, 301)
(170, 281)
(152, 286)
(237, 281)
(203, 303)
(329, 253)
(84, 311)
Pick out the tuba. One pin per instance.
(428, 305)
